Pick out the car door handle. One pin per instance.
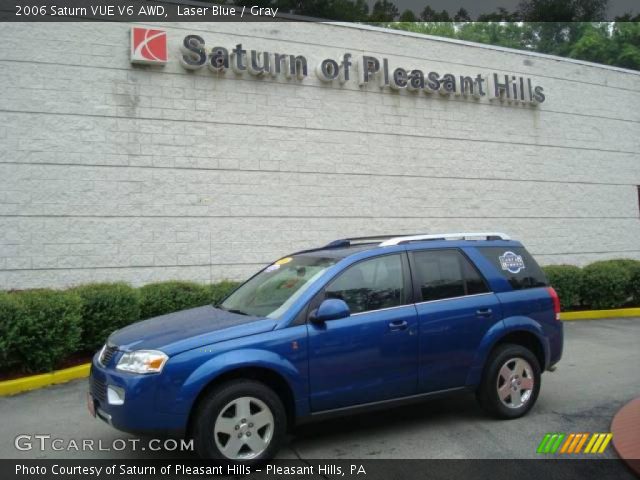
(398, 325)
(484, 312)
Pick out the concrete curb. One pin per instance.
(24, 384)
(600, 314)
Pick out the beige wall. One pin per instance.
(110, 171)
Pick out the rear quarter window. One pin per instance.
(516, 265)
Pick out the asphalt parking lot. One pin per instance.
(597, 375)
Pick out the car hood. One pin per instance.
(188, 329)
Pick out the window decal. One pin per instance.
(511, 262)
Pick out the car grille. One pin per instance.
(98, 389)
(107, 354)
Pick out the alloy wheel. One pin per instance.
(244, 428)
(515, 382)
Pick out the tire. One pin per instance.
(220, 433)
(503, 391)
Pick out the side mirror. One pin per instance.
(330, 309)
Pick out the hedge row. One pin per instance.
(599, 285)
(39, 329)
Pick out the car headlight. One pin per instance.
(142, 361)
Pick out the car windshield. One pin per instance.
(271, 292)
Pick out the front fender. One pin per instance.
(233, 360)
(498, 332)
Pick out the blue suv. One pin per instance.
(359, 324)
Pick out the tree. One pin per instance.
(383, 11)
(462, 16)
(430, 15)
(438, 29)
(559, 24)
(500, 15)
(626, 38)
(408, 16)
(562, 10)
(628, 17)
(504, 34)
(594, 45)
(345, 10)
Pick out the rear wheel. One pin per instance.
(510, 383)
(241, 421)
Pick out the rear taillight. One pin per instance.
(556, 301)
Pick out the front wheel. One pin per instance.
(241, 421)
(510, 383)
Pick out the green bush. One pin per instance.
(46, 328)
(105, 308)
(167, 297)
(634, 287)
(218, 291)
(567, 281)
(608, 283)
(40, 328)
(9, 314)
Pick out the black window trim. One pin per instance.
(417, 294)
(407, 285)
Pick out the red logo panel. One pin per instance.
(148, 46)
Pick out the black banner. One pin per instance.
(565, 469)
(307, 10)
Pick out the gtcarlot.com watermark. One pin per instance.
(46, 442)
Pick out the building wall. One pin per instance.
(110, 171)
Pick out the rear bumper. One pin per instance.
(139, 412)
(556, 345)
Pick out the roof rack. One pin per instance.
(445, 236)
(348, 242)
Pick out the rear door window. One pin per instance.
(516, 265)
(444, 274)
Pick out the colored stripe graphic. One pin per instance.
(572, 443)
(556, 445)
(543, 443)
(550, 443)
(605, 442)
(598, 443)
(594, 437)
(567, 443)
(578, 441)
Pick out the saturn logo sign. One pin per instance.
(148, 46)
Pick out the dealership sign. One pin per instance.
(150, 46)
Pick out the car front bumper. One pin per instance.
(138, 413)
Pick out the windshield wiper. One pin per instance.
(234, 310)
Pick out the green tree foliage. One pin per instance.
(504, 34)
(430, 15)
(408, 16)
(462, 16)
(626, 40)
(568, 28)
(383, 11)
(500, 15)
